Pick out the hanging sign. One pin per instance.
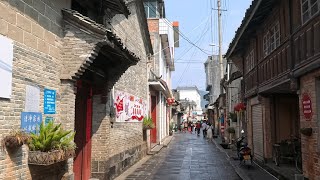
(129, 108)
(307, 106)
(49, 105)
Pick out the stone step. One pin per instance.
(156, 149)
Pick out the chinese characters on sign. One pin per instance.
(30, 121)
(49, 101)
(306, 106)
(129, 108)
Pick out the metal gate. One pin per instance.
(257, 131)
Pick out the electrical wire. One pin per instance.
(188, 64)
(180, 33)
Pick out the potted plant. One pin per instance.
(51, 145)
(231, 130)
(171, 129)
(233, 117)
(147, 123)
(15, 139)
(306, 131)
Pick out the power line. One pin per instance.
(179, 32)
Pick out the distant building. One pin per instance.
(190, 94)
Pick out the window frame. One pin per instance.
(147, 8)
(271, 39)
(309, 9)
(250, 62)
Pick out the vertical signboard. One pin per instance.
(30, 121)
(49, 105)
(307, 106)
(6, 59)
(32, 99)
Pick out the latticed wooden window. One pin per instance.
(309, 8)
(271, 39)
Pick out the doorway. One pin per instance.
(83, 126)
(153, 134)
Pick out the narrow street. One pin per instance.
(187, 157)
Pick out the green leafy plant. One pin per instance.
(233, 117)
(171, 125)
(52, 137)
(231, 130)
(147, 123)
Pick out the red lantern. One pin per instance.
(240, 107)
(170, 101)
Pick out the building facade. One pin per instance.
(164, 41)
(79, 54)
(277, 50)
(215, 93)
(191, 94)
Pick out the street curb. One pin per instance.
(238, 170)
(167, 141)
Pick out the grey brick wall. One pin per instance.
(123, 144)
(35, 28)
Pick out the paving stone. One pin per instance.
(187, 157)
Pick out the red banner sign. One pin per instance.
(307, 106)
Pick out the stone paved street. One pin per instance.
(187, 157)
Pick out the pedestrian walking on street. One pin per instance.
(204, 129)
(209, 131)
(189, 127)
(185, 126)
(198, 127)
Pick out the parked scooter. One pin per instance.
(244, 152)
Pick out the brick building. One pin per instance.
(277, 49)
(83, 55)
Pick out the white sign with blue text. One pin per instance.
(49, 104)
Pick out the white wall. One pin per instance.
(192, 95)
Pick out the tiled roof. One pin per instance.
(77, 17)
(254, 15)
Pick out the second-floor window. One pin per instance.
(309, 8)
(271, 39)
(151, 8)
(250, 61)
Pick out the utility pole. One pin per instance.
(220, 38)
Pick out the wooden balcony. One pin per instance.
(306, 47)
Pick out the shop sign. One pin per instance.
(307, 106)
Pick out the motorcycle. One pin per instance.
(244, 152)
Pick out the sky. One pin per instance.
(200, 28)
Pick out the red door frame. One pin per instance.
(83, 126)
(153, 133)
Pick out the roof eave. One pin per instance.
(243, 27)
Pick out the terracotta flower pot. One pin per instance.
(48, 158)
(306, 131)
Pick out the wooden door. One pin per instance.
(153, 134)
(83, 124)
